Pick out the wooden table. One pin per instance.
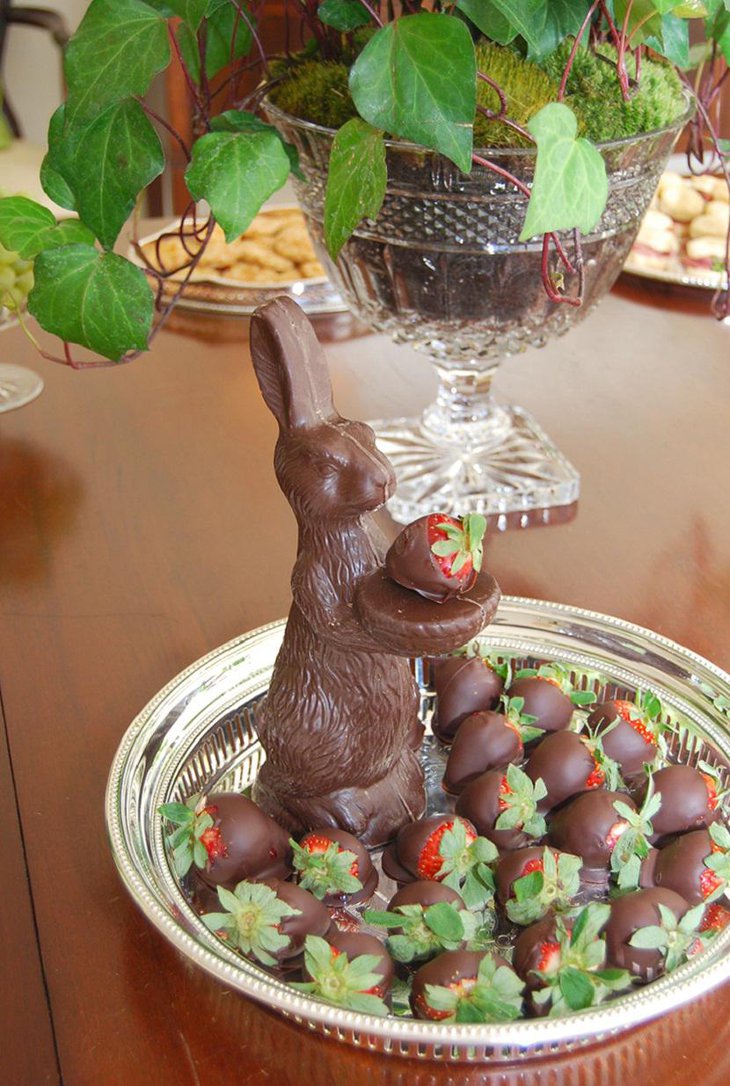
(140, 527)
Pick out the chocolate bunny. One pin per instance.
(339, 720)
(339, 723)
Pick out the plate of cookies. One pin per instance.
(274, 256)
(683, 235)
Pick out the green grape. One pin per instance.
(16, 280)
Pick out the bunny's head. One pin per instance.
(327, 466)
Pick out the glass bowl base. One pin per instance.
(522, 472)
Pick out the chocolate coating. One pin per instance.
(463, 685)
(626, 745)
(511, 866)
(411, 563)
(530, 948)
(256, 846)
(355, 943)
(337, 719)
(425, 892)
(480, 803)
(446, 969)
(680, 865)
(313, 918)
(564, 763)
(484, 741)
(584, 827)
(409, 845)
(545, 701)
(685, 801)
(628, 914)
(410, 624)
(366, 873)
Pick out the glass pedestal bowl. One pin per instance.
(443, 270)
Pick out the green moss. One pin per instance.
(317, 91)
(527, 89)
(604, 115)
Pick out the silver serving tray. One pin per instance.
(199, 733)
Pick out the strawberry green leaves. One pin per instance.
(465, 865)
(251, 920)
(570, 187)
(495, 997)
(339, 981)
(96, 299)
(416, 78)
(236, 172)
(355, 183)
(116, 52)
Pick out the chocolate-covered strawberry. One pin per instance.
(532, 882)
(334, 866)
(448, 849)
(688, 800)
(567, 764)
(438, 556)
(696, 865)
(487, 740)
(646, 956)
(353, 944)
(268, 921)
(227, 837)
(548, 696)
(467, 986)
(590, 827)
(357, 984)
(502, 805)
(463, 685)
(566, 961)
(715, 918)
(630, 731)
(424, 919)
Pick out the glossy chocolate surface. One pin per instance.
(425, 892)
(255, 846)
(545, 701)
(564, 763)
(313, 918)
(626, 745)
(410, 842)
(685, 801)
(480, 803)
(679, 866)
(585, 825)
(484, 741)
(530, 949)
(463, 685)
(628, 914)
(411, 563)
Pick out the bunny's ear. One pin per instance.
(290, 365)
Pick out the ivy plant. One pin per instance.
(413, 75)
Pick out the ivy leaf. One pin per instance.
(543, 23)
(343, 15)
(116, 52)
(23, 223)
(236, 172)
(27, 227)
(717, 27)
(570, 187)
(488, 18)
(99, 300)
(355, 183)
(192, 11)
(52, 179)
(416, 78)
(220, 46)
(239, 120)
(672, 41)
(107, 163)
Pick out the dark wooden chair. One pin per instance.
(50, 21)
